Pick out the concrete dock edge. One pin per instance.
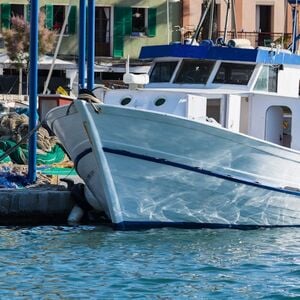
(34, 206)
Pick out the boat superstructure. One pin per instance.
(253, 91)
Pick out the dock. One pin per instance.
(42, 205)
(45, 203)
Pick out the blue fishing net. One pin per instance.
(9, 179)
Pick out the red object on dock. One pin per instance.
(47, 102)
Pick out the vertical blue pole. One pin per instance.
(82, 44)
(33, 82)
(91, 44)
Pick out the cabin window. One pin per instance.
(229, 73)
(194, 71)
(267, 80)
(163, 71)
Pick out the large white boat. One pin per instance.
(211, 141)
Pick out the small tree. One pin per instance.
(17, 40)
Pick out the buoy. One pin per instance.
(81, 204)
(75, 215)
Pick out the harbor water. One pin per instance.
(86, 262)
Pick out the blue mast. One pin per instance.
(91, 44)
(33, 82)
(82, 44)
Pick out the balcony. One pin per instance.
(264, 39)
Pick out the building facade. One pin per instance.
(260, 21)
(124, 26)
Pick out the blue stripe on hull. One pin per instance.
(127, 225)
(80, 156)
(201, 171)
(188, 168)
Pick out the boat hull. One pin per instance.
(153, 170)
(155, 192)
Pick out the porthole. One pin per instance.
(125, 101)
(160, 101)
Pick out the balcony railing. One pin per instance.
(261, 38)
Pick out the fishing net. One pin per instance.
(13, 129)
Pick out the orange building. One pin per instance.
(260, 21)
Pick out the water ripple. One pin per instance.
(89, 262)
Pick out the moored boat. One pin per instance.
(210, 141)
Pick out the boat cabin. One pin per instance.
(253, 91)
(247, 90)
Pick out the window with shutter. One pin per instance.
(28, 13)
(143, 21)
(72, 20)
(5, 15)
(59, 14)
(55, 17)
(122, 27)
(138, 20)
(151, 22)
(49, 16)
(17, 10)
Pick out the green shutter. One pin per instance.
(5, 16)
(127, 19)
(28, 13)
(121, 27)
(72, 20)
(49, 16)
(152, 22)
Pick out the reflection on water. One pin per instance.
(96, 262)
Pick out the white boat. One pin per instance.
(203, 176)
(220, 152)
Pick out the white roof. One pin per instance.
(44, 62)
(109, 67)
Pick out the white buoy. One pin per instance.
(75, 215)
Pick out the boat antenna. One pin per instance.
(200, 24)
(211, 20)
(210, 5)
(127, 66)
(226, 20)
(233, 17)
(230, 6)
(295, 36)
(285, 24)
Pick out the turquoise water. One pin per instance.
(97, 263)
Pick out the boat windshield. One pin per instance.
(194, 71)
(230, 73)
(163, 71)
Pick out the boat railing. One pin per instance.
(264, 39)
